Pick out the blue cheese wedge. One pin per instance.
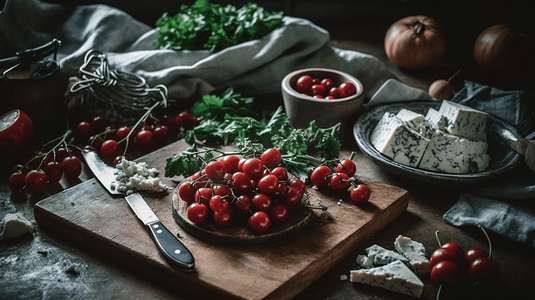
(382, 256)
(394, 139)
(452, 154)
(412, 119)
(464, 121)
(436, 120)
(395, 276)
(414, 252)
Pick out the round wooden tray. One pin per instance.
(238, 233)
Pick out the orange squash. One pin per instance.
(415, 42)
(501, 54)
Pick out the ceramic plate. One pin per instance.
(503, 160)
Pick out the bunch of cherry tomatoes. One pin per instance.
(341, 181)
(256, 188)
(44, 168)
(111, 144)
(324, 88)
(449, 264)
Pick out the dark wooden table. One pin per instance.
(41, 266)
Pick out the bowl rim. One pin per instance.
(288, 88)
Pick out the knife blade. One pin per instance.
(172, 248)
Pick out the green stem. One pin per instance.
(438, 240)
(488, 239)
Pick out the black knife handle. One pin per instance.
(170, 246)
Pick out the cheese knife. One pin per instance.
(167, 243)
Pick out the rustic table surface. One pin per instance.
(47, 266)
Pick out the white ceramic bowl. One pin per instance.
(302, 109)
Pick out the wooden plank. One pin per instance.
(277, 270)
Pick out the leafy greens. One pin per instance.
(226, 119)
(213, 27)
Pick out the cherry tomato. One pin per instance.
(333, 92)
(122, 133)
(299, 185)
(271, 157)
(61, 153)
(346, 89)
(340, 182)
(243, 205)
(360, 193)
(318, 97)
(474, 253)
(268, 184)
(16, 181)
(327, 83)
(484, 268)
(281, 173)
(223, 218)
(318, 90)
(442, 254)
(72, 167)
(36, 181)
(304, 83)
(446, 273)
(261, 202)
(94, 141)
(197, 213)
(53, 171)
(231, 163)
(293, 197)
(253, 168)
(109, 149)
(215, 170)
(260, 222)
(83, 130)
(144, 139)
(279, 213)
(203, 195)
(118, 159)
(316, 80)
(175, 123)
(98, 124)
(218, 204)
(347, 166)
(186, 191)
(161, 133)
(221, 190)
(320, 176)
(188, 120)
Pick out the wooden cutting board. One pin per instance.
(88, 215)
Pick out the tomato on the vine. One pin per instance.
(16, 181)
(83, 130)
(271, 157)
(243, 205)
(122, 133)
(268, 184)
(215, 170)
(218, 204)
(279, 213)
(347, 166)
(340, 182)
(161, 133)
(360, 193)
(197, 213)
(54, 171)
(186, 192)
(262, 202)
(36, 181)
(98, 124)
(320, 176)
(260, 222)
(72, 167)
(223, 218)
(109, 149)
(253, 168)
(144, 139)
(231, 163)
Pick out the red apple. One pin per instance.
(16, 130)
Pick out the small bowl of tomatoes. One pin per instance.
(325, 95)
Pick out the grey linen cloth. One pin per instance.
(507, 208)
(253, 68)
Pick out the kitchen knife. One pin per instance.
(168, 244)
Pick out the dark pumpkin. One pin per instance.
(502, 54)
(415, 42)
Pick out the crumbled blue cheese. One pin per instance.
(132, 177)
(382, 256)
(395, 276)
(15, 225)
(393, 138)
(464, 121)
(414, 252)
(452, 154)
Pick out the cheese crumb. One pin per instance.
(15, 225)
(132, 177)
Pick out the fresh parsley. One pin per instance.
(226, 120)
(213, 27)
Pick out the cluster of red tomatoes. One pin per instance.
(449, 262)
(324, 88)
(341, 180)
(254, 188)
(45, 168)
(110, 143)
